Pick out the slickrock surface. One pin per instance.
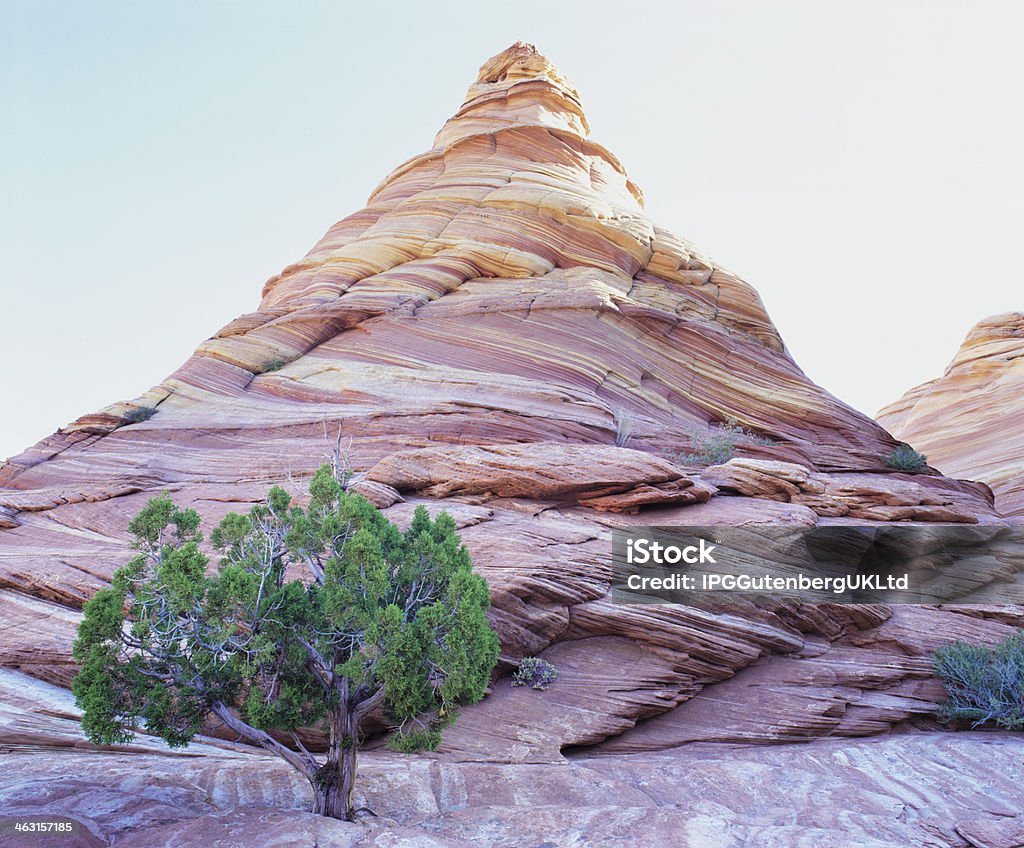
(505, 334)
(927, 790)
(970, 421)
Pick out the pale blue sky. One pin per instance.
(860, 164)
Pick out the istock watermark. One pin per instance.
(769, 584)
(846, 564)
(642, 551)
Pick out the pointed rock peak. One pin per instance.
(1006, 325)
(518, 87)
(519, 62)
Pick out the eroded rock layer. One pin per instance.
(970, 421)
(505, 334)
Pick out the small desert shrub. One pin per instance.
(140, 413)
(421, 739)
(905, 458)
(273, 365)
(535, 672)
(983, 684)
(717, 445)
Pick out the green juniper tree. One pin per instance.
(381, 618)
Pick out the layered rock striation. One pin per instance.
(504, 333)
(970, 421)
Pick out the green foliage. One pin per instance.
(420, 739)
(140, 413)
(983, 684)
(716, 445)
(273, 365)
(382, 616)
(905, 458)
(534, 672)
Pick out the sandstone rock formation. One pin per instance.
(503, 333)
(970, 421)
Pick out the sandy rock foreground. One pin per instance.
(905, 789)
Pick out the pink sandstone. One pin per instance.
(504, 333)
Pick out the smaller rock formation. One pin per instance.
(873, 497)
(970, 421)
(609, 479)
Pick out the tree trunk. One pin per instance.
(334, 781)
(333, 785)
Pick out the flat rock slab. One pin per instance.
(993, 832)
(539, 470)
(871, 497)
(923, 789)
